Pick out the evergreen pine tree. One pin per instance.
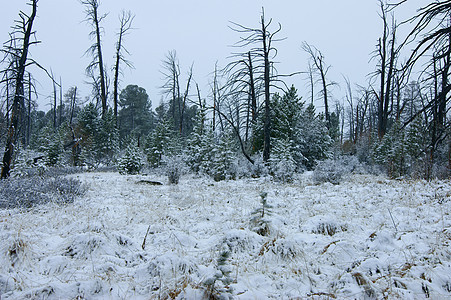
(159, 143)
(259, 220)
(416, 142)
(106, 139)
(200, 145)
(132, 160)
(223, 155)
(390, 152)
(312, 138)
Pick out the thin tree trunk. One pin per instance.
(54, 103)
(29, 111)
(267, 124)
(252, 89)
(116, 76)
(18, 96)
(185, 97)
(72, 106)
(60, 111)
(101, 70)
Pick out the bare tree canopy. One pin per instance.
(126, 20)
(94, 19)
(17, 52)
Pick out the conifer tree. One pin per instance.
(223, 155)
(312, 137)
(200, 145)
(132, 160)
(159, 143)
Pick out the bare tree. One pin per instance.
(54, 101)
(171, 87)
(319, 66)
(242, 82)
(185, 98)
(386, 54)
(432, 34)
(93, 17)
(18, 52)
(126, 20)
(259, 68)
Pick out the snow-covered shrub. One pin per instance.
(83, 245)
(31, 191)
(28, 162)
(259, 168)
(200, 143)
(16, 251)
(325, 225)
(332, 170)
(159, 143)
(174, 168)
(328, 171)
(281, 248)
(242, 241)
(132, 160)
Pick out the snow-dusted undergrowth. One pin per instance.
(366, 238)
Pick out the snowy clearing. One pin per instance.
(368, 237)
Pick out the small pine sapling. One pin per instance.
(259, 218)
(220, 291)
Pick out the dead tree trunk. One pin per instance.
(126, 20)
(27, 25)
(185, 97)
(267, 123)
(92, 13)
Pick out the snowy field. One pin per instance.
(366, 238)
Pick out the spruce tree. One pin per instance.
(200, 145)
(159, 143)
(312, 138)
(223, 155)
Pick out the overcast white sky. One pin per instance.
(345, 31)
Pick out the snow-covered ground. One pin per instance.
(368, 237)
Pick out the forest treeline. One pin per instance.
(250, 122)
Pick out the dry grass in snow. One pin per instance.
(366, 238)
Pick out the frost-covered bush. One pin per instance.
(332, 170)
(29, 162)
(325, 225)
(30, 191)
(132, 160)
(174, 168)
(259, 168)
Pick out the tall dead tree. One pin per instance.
(259, 67)
(17, 51)
(431, 34)
(171, 86)
(319, 67)
(185, 98)
(386, 55)
(126, 20)
(94, 19)
(54, 101)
